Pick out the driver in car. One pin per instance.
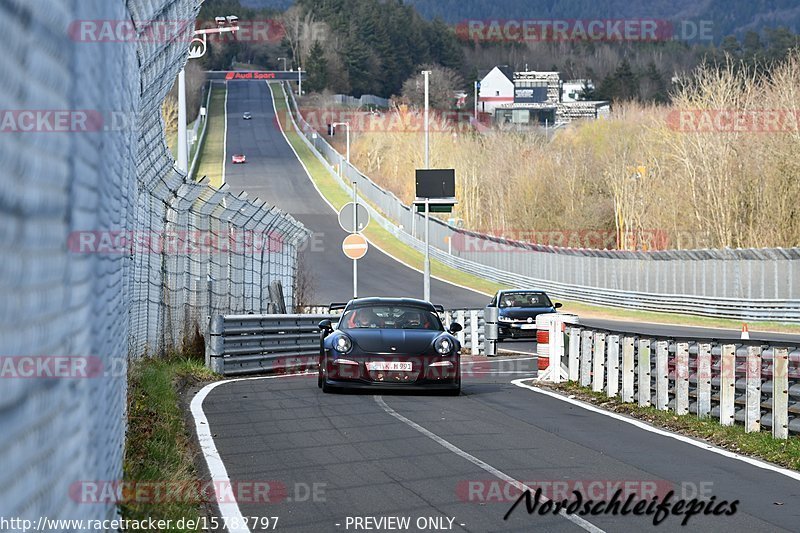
(366, 318)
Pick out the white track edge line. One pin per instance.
(647, 427)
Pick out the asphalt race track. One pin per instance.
(334, 461)
(274, 174)
(362, 461)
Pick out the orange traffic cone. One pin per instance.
(745, 333)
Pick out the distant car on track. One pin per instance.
(396, 343)
(247, 115)
(517, 312)
(238, 159)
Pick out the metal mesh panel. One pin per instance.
(102, 306)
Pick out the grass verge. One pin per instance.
(157, 448)
(761, 445)
(211, 157)
(331, 190)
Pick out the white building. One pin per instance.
(535, 98)
(496, 89)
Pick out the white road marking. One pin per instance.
(647, 427)
(229, 511)
(578, 521)
(516, 351)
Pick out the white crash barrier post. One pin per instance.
(780, 394)
(474, 332)
(599, 363)
(752, 413)
(586, 358)
(682, 378)
(727, 385)
(703, 380)
(555, 323)
(627, 369)
(612, 366)
(644, 378)
(662, 375)
(490, 314)
(574, 354)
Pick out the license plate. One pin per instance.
(389, 366)
(528, 326)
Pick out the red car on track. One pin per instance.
(238, 158)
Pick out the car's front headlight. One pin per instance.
(503, 318)
(342, 343)
(444, 345)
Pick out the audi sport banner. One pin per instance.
(252, 75)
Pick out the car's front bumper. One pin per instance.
(511, 329)
(428, 371)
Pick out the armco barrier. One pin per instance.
(252, 344)
(745, 382)
(756, 284)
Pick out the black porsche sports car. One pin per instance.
(396, 343)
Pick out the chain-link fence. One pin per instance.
(108, 251)
(753, 284)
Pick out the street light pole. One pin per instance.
(197, 49)
(355, 230)
(427, 269)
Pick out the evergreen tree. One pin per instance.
(317, 69)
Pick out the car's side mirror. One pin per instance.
(326, 325)
(455, 327)
(557, 305)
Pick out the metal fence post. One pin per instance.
(682, 378)
(752, 414)
(644, 377)
(703, 380)
(490, 315)
(780, 393)
(612, 386)
(574, 353)
(461, 335)
(662, 375)
(727, 385)
(586, 358)
(627, 369)
(599, 362)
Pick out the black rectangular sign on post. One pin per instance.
(440, 183)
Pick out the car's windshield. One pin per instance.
(524, 299)
(391, 317)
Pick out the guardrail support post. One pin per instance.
(682, 378)
(703, 380)
(490, 330)
(474, 332)
(662, 375)
(752, 414)
(780, 393)
(727, 385)
(216, 344)
(586, 358)
(599, 362)
(627, 369)
(573, 373)
(644, 380)
(461, 335)
(612, 387)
